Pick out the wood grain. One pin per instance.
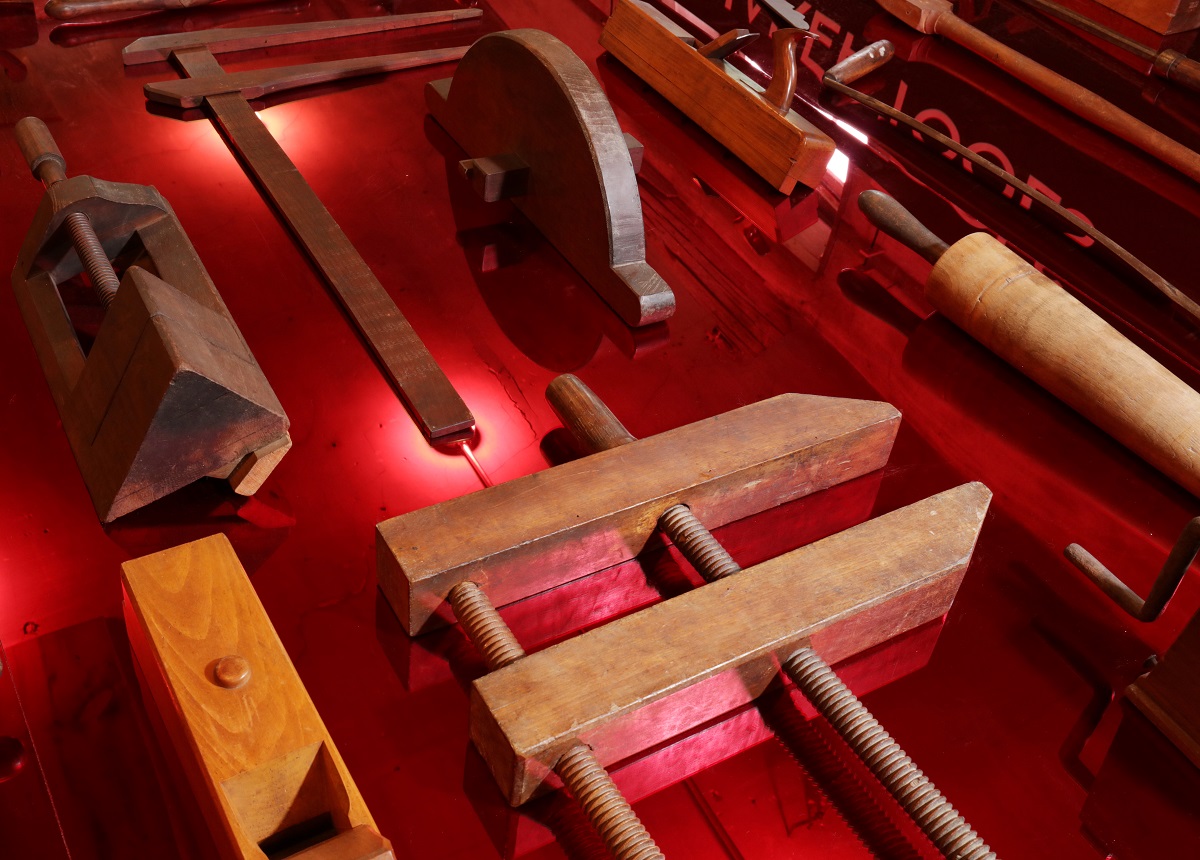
(612, 686)
(782, 148)
(258, 757)
(1168, 695)
(532, 533)
(524, 93)
(430, 398)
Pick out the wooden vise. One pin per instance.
(169, 392)
(260, 762)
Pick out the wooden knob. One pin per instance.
(892, 218)
(231, 672)
(592, 423)
(40, 150)
(861, 63)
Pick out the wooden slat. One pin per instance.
(613, 687)
(431, 399)
(539, 531)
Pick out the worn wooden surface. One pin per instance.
(533, 533)
(782, 148)
(1169, 697)
(1032, 323)
(153, 49)
(1161, 16)
(525, 93)
(66, 10)
(169, 391)
(191, 92)
(256, 753)
(612, 686)
(430, 397)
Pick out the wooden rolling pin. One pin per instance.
(937, 17)
(1033, 324)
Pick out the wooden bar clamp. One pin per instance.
(539, 531)
(757, 125)
(540, 132)
(619, 687)
(264, 769)
(169, 392)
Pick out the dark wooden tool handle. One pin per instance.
(65, 10)
(1174, 66)
(861, 63)
(892, 218)
(40, 150)
(592, 423)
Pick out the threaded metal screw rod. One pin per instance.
(871, 742)
(584, 776)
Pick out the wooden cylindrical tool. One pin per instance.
(1033, 324)
(593, 423)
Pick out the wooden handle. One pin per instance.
(1032, 323)
(783, 75)
(65, 10)
(1174, 66)
(861, 63)
(40, 150)
(592, 423)
(892, 218)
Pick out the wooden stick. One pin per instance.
(65, 10)
(937, 17)
(154, 49)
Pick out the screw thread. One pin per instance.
(484, 626)
(697, 544)
(91, 254)
(618, 825)
(931, 811)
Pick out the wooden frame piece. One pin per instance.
(530, 534)
(256, 754)
(782, 147)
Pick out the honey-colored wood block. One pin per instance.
(783, 149)
(169, 391)
(530, 534)
(258, 758)
(622, 687)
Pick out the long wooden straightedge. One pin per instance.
(254, 749)
(527, 535)
(612, 687)
(783, 148)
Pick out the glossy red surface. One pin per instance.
(773, 295)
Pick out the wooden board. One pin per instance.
(612, 687)
(524, 93)
(431, 400)
(259, 760)
(720, 99)
(535, 532)
(1161, 16)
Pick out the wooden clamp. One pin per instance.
(540, 132)
(260, 762)
(757, 126)
(530, 534)
(169, 391)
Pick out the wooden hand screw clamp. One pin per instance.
(541, 133)
(590, 699)
(229, 703)
(757, 126)
(169, 391)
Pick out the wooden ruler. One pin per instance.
(432, 401)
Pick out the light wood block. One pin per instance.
(783, 149)
(257, 756)
(631, 684)
(542, 530)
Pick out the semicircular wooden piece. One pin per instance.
(523, 99)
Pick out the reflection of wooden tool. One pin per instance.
(65, 10)
(757, 126)
(530, 534)
(540, 132)
(257, 756)
(169, 391)
(154, 49)
(1034, 325)
(597, 429)
(432, 401)
(937, 17)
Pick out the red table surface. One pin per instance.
(1028, 659)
